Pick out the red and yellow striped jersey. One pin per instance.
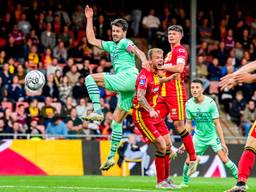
(171, 88)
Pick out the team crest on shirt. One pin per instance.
(142, 81)
(174, 111)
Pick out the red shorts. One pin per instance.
(150, 128)
(175, 106)
(253, 130)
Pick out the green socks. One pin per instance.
(233, 168)
(185, 173)
(94, 94)
(117, 133)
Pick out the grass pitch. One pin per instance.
(118, 184)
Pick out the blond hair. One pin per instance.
(154, 50)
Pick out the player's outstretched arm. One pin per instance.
(240, 76)
(89, 28)
(141, 55)
(220, 133)
(174, 68)
(171, 77)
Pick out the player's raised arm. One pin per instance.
(140, 54)
(89, 28)
(178, 68)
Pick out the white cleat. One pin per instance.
(192, 167)
(94, 117)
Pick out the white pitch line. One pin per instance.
(66, 187)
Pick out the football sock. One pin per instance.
(188, 143)
(233, 168)
(245, 164)
(167, 163)
(94, 94)
(160, 166)
(117, 133)
(185, 173)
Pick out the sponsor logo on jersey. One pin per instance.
(142, 81)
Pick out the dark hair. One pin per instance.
(120, 23)
(177, 28)
(198, 81)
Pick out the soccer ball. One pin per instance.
(34, 80)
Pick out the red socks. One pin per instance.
(188, 143)
(160, 166)
(245, 165)
(167, 163)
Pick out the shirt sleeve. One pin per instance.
(214, 110)
(107, 45)
(126, 44)
(188, 113)
(142, 80)
(181, 55)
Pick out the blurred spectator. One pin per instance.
(65, 89)
(248, 117)
(3, 58)
(237, 108)
(56, 25)
(66, 107)
(48, 38)
(229, 40)
(4, 128)
(135, 21)
(47, 59)
(151, 23)
(77, 122)
(53, 67)
(63, 15)
(82, 107)
(78, 18)
(24, 25)
(65, 36)
(15, 92)
(50, 89)
(101, 27)
(21, 116)
(205, 31)
(20, 73)
(33, 110)
(5, 75)
(33, 59)
(60, 52)
(34, 130)
(56, 127)
(47, 111)
(73, 75)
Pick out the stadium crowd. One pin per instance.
(50, 36)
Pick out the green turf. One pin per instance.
(118, 184)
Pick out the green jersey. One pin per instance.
(203, 114)
(121, 58)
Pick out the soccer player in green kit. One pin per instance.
(122, 52)
(208, 132)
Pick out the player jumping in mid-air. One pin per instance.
(122, 82)
(147, 120)
(247, 160)
(173, 94)
(208, 132)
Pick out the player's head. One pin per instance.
(155, 57)
(175, 34)
(197, 88)
(119, 29)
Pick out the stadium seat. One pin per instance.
(126, 163)
(7, 105)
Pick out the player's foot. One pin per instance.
(237, 189)
(183, 185)
(192, 167)
(165, 185)
(107, 164)
(170, 182)
(94, 117)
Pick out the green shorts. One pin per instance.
(202, 145)
(123, 83)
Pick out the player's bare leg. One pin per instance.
(117, 133)
(92, 82)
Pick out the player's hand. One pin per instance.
(181, 149)
(225, 148)
(227, 81)
(153, 114)
(244, 77)
(88, 12)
